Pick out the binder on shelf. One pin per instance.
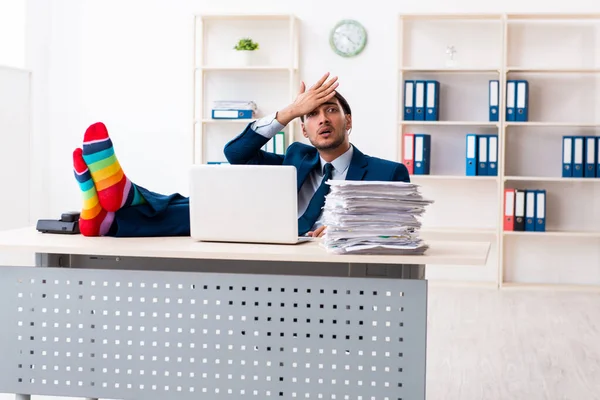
(279, 145)
(420, 100)
(422, 153)
(578, 152)
(567, 157)
(232, 114)
(530, 210)
(482, 161)
(482, 155)
(540, 210)
(519, 210)
(492, 155)
(598, 158)
(409, 105)
(522, 106)
(511, 91)
(409, 152)
(590, 157)
(525, 210)
(494, 100)
(471, 159)
(433, 100)
(509, 209)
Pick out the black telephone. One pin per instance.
(67, 224)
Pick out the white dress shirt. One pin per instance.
(269, 126)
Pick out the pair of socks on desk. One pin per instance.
(104, 186)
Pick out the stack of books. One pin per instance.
(374, 217)
(233, 109)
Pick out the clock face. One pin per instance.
(348, 38)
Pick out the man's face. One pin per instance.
(326, 126)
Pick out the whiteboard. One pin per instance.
(15, 141)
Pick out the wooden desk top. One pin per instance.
(29, 240)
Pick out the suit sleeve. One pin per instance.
(401, 174)
(246, 149)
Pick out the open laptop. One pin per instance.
(244, 203)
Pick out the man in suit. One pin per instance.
(326, 122)
(115, 206)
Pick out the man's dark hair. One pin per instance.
(343, 103)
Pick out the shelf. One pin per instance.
(555, 124)
(458, 231)
(554, 234)
(219, 72)
(549, 179)
(528, 18)
(453, 177)
(544, 70)
(446, 70)
(245, 17)
(563, 72)
(452, 17)
(451, 123)
(245, 68)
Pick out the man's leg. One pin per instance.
(138, 212)
(161, 215)
(94, 220)
(115, 190)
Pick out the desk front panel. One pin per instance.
(127, 334)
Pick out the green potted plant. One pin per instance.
(246, 50)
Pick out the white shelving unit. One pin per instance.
(423, 41)
(271, 80)
(559, 56)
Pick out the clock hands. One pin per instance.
(345, 37)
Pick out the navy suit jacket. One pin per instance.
(246, 149)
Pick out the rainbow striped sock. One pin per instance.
(94, 220)
(115, 190)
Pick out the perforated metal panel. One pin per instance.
(179, 335)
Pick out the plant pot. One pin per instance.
(246, 57)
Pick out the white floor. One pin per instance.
(510, 345)
(513, 344)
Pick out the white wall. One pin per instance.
(15, 128)
(15, 157)
(12, 33)
(129, 64)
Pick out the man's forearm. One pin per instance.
(267, 126)
(286, 115)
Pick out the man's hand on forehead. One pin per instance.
(308, 100)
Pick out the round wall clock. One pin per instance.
(348, 38)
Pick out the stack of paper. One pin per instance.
(234, 105)
(373, 217)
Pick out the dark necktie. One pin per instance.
(308, 219)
